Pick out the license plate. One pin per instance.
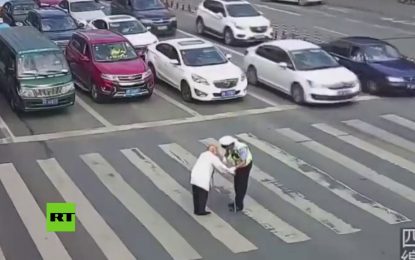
(229, 93)
(133, 92)
(343, 92)
(162, 27)
(411, 86)
(50, 101)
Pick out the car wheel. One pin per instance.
(297, 93)
(228, 37)
(252, 75)
(96, 95)
(153, 70)
(372, 87)
(186, 92)
(149, 94)
(200, 26)
(13, 104)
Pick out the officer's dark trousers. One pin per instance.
(241, 185)
(200, 197)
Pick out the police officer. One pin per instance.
(239, 155)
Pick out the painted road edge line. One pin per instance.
(321, 178)
(4, 128)
(158, 227)
(215, 225)
(278, 10)
(296, 199)
(103, 235)
(176, 103)
(330, 31)
(253, 209)
(92, 111)
(48, 243)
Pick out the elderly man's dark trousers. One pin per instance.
(241, 179)
(200, 197)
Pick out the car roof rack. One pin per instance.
(190, 42)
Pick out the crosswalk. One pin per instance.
(368, 138)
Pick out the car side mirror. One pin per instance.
(81, 25)
(261, 13)
(84, 58)
(148, 28)
(219, 15)
(228, 56)
(283, 65)
(174, 62)
(336, 58)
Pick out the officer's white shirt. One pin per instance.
(202, 171)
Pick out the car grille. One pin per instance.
(47, 92)
(160, 21)
(227, 83)
(341, 86)
(410, 79)
(129, 78)
(259, 29)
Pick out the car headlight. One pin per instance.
(173, 19)
(147, 73)
(147, 21)
(200, 93)
(395, 79)
(243, 77)
(26, 92)
(239, 27)
(109, 77)
(68, 87)
(199, 79)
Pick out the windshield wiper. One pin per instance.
(64, 71)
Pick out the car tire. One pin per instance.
(228, 37)
(149, 95)
(297, 94)
(200, 26)
(186, 92)
(252, 75)
(96, 95)
(153, 70)
(13, 105)
(372, 87)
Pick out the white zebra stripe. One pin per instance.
(322, 178)
(400, 121)
(2, 257)
(48, 243)
(253, 209)
(219, 229)
(100, 231)
(166, 235)
(362, 170)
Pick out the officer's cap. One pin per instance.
(227, 140)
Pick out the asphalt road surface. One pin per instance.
(329, 182)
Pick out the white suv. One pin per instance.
(232, 20)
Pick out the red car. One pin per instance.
(106, 65)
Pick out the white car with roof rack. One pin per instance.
(196, 67)
(136, 33)
(301, 69)
(233, 20)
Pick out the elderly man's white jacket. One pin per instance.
(202, 171)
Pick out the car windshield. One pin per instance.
(42, 64)
(84, 6)
(148, 5)
(127, 27)
(241, 10)
(381, 52)
(23, 8)
(56, 24)
(203, 57)
(313, 59)
(111, 52)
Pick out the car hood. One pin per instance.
(87, 16)
(396, 68)
(60, 36)
(251, 21)
(122, 67)
(141, 39)
(332, 76)
(158, 13)
(216, 72)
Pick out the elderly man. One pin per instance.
(201, 177)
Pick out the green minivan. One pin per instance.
(34, 74)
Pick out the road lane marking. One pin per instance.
(176, 103)
(100, 231)
(92, 111)
(368, 147)
(330, 31)
(399, 121)
(323, 179)
(353, 20)
(4, 128)
(253, 209)
(366, 97)
(262, 98)
(216, 226)
(278, 10)
(153, 124)
(356, 167)
(166, 235)
(47, 243)
(381, 134)
(2, 257)
(341, 10)
(296, 199)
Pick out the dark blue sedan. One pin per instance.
(378, 64)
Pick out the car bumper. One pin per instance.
(398, 86)
(162, 29)
(36, 104)
(127, 90)
(330, 96)
(213, 93)
(249, 36)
